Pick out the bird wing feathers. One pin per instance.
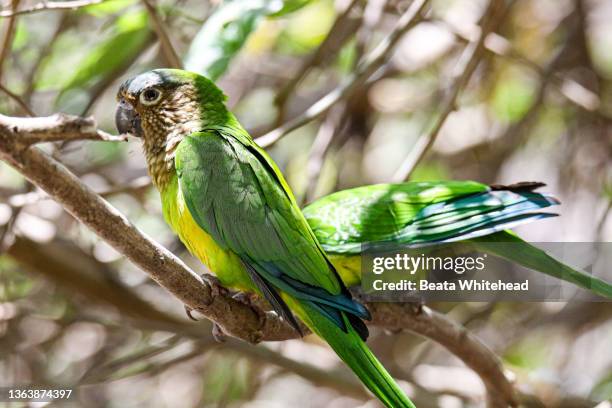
(238, 196)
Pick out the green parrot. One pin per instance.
(468, 215)
(230, 205)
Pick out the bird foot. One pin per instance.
(417, 306)
(253, 301)
(188, 311)
(216, 288)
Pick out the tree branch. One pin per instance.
(198, 293)
(455, 338)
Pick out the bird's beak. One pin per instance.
(127, 119)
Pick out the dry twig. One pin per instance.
(50, 5)
(365, 69)
(24, 106)
(7, 39)
(339, 33)
(59, 127)
(168, 50)
(465, 68)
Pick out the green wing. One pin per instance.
(237, 195)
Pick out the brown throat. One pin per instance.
(163, 131)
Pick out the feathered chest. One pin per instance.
(223, 263)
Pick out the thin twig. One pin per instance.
(365, 69)
(340, 32)
(373, 12)
(316, 158)
(168, 50)
(463, 72)
(7, 233)
(30, 79)
(51, 5)
(24, 106)
(7, 39)
(599, 230)
(58, 127)
(574, 91)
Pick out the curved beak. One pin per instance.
(127, 119)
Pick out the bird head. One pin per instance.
(154, 104)
(163, 106)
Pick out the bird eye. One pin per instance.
(150, 96)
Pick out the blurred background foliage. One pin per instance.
(539, 107)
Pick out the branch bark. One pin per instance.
(202, 293)
(455, 338)
(24, 132)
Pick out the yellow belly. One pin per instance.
(348, 267)
(225, 264)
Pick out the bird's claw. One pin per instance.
(417, 306)
(189, 311)
(253, 301)
(216, 288)
(218, 334)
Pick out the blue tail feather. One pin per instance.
(475, 215)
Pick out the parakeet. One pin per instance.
(230, 205)
(472, 215)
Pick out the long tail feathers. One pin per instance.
(529, 256)
(355, 353)
(476, 215)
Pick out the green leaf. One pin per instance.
(530, 353)
(14, 284)
(130, 32)
(225, 32)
